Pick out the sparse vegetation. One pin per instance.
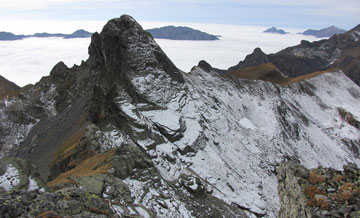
(315, 178)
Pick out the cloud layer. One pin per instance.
(26, 61)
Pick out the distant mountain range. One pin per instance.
(180, 33)
(275, 30)
(7, 36)
(325, 32)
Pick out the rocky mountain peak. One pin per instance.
(124, 44)
(251, 60)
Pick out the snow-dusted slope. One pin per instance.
(239, 132)
(178, 144)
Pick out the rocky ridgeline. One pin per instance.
(340, 52)
(130, 133)
(320, 192)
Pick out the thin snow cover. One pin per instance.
(247, 123)
(167, 118)
(10, 179)
(148, 198)
(240, 133)
(26, 61)
(47, 98)
(142, 212)
(117, 209)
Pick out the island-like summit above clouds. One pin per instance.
(325, 32)
(275, 30)
(180, 33)
(7, 36)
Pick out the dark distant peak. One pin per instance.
(207, 67)
(80, 31)
(10, 36)
(325, 32)
(79, 34)
(180, 33)
(258, 51)
(275, 30)
(253, 59)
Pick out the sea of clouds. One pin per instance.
(26, 61)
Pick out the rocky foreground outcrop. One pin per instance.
(320, 192)
(128, 131)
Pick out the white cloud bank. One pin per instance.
(26, 61)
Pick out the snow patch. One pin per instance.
(247, 123)
(10, 179)
(32, 185)
(166, 118)
(142, 212)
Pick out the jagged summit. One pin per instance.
(128, 134)
(124, 42)
(251, 60)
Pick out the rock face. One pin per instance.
(256, 58)
(325, 32)
(7, 88)
(275, 30)
(130, 128)
(180, 33)
(320, 192)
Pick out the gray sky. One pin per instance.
(281, 13)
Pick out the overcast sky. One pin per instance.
(280, 13)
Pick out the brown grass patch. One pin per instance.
(267, 72)
(311, 191)
(293, 80)
(97, 164)
(68, 145)
(345, 196)
(339, 178)
(48, 214)
(315, 178)
(97, 211)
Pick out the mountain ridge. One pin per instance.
(324, 32)
(338, 52)
(7, 36)
(275, 30)
(127, 127)
(180, 33)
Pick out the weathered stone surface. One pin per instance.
(321, 192)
